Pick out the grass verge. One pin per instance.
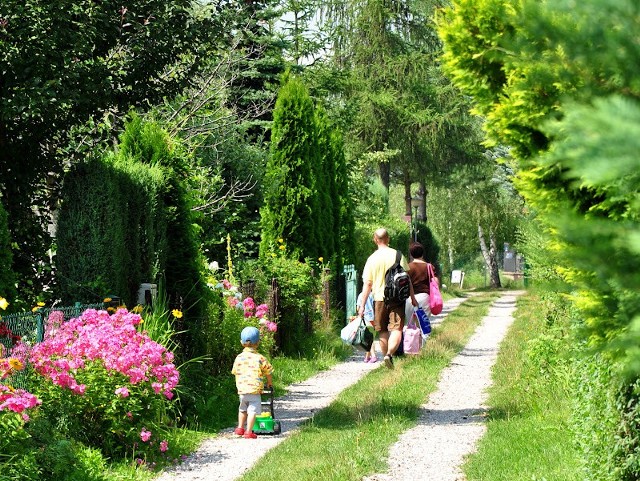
(528, 437)
(324, 350)
(345, 440)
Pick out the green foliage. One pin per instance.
(111, 229)
(71, 461)
(15, 446)
(596, 419)
(62, 66)
(7, 277)
(259, 58)
(557, 81)
(101, 419)
(344, 214)
(291, 204)
(298, 289)
(582, 202)
(328, 223)
(134, 227)
(148, 143)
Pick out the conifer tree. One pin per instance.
(253, 88)
(327, 218)
(290, 201)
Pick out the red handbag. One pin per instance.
(435, 298)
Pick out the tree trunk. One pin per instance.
(490, 256)
(422, 192)
(407, 196)
(385, 174)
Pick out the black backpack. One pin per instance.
(396, 283)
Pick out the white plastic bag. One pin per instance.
(348, 332)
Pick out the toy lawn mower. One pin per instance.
(265, 422)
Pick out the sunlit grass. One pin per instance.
(528, 436)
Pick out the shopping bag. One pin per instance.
(435, 298)
(363, 339)
(412, 339)
(348, 332)
(423, 320)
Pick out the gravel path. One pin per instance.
(446, 431)
(452, 420)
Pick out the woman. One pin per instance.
(419, 278)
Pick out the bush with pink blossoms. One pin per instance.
(239, 312)
(104, 381)
(16, 406)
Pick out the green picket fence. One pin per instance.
(29, 328)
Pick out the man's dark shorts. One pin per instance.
(388, 318)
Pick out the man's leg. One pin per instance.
(396, 323)
(384, 342)
(394, 339)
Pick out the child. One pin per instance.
(249, 368)
(368, 318)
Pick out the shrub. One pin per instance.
(16, 405)
(115, 238)
(291, 199)
(237, 313)
(298, 289)
(105, 383)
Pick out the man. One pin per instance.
(388, 319)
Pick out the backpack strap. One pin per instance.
(398, 258)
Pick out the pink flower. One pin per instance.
(232, 301)
(145, 435)
(272, 326)
(261, 310)
(110, 340)
(122, 392)
(248, 305)
(129, 414)
(164, 445)
(226, 284)
(17, 401)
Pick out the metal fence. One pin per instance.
(350, 279)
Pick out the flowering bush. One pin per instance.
(114, 341)
(14, 403)
(107, 382)
(252, 315)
